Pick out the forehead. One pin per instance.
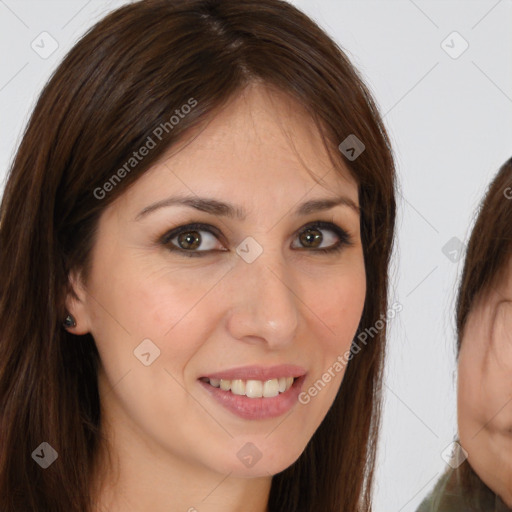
(261, 139)
(483, 310)
(499, 289)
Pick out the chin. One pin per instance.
(253, 462)
(260, 469)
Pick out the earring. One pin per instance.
(69, 321)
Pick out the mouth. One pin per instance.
(253, 388)
(256, 392)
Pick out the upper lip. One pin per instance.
(258, 372)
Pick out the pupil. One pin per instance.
(310, 236)
(189, 240)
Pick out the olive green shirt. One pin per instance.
(449, 496)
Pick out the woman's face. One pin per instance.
(485, 389)
(189, 320)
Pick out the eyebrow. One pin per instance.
(223, 209)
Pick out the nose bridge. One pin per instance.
(264, 305)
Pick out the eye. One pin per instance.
(187, 239)
(311, 237)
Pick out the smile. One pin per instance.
(255, 392)
(253, 388)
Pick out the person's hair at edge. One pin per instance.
(121, 80)
(488, 252)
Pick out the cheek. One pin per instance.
(148, 297)
(339, 306)
(484, 412)
(468, 399)
(136, 302)
(484, 389)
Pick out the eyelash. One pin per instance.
(345, 240)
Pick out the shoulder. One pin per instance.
(450, 495)
(432, 502)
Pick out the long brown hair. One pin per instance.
(488, 252)
(123, 79)
(489, 247)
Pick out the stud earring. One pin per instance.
(69, 321)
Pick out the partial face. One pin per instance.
(485, 390)
(221, 308)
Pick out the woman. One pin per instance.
(483, 481)
(184, 251)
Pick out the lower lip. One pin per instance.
(257, 408)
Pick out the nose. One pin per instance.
(263, 302)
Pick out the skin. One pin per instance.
(485, 388)
(174, 448)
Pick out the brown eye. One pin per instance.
(193, 239)
(311, 237)
(323, 237)
(189, 240)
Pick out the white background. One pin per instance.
(450, 122)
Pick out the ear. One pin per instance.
(77, 304)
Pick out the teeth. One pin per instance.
(271, 388)
(238, 387)
(254, 388)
